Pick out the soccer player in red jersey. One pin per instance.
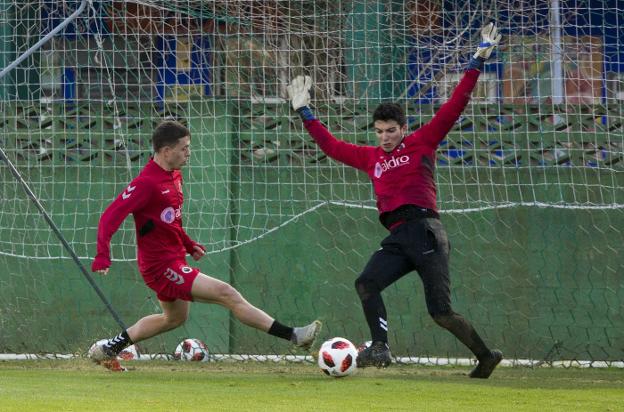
(155, 199)
(401, 169)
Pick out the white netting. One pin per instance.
(119, 57)
(544, 129)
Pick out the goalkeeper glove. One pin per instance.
(299, 95)
(490, 39)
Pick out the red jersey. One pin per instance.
(405, 175)
(155, 200)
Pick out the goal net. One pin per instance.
(529, 180)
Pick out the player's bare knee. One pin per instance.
(174, 321)
(228, 295)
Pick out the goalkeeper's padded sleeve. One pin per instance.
(306, 113)
(476, 63)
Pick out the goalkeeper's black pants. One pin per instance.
(421, 245)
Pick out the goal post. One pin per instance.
(529, 179)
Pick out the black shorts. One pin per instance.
(420, 245)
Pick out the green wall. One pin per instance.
(531, 279)
(538, 282)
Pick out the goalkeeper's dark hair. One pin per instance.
(390, 111)
(167, 134)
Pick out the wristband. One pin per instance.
(476, 63)
(306, 113)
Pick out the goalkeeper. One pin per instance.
(155, 199)
(402, 172)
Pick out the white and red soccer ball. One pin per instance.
(129, 353)
(338, 357)
(192, 350)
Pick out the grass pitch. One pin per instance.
(79, 385)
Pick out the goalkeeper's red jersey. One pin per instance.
(155, 200)
(405, 175)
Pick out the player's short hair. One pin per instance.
(167, 134)
(390, 111)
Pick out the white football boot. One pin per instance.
(98, 354)
(304, 336)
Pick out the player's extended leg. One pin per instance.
(210, 290)
(385, 267)
(434, 272)
(174, 314)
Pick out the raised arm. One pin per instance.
(437, 129)
(132, 199)
(347, 153)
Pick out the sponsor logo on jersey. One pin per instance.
(186, 269)
(164, 192)
(174, 276)
(169, 214)
(393, 162)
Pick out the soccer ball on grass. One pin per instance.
(129, 353)
(338, 357)
(191, 350)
